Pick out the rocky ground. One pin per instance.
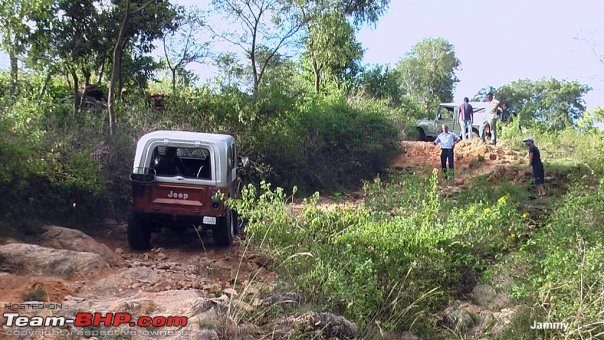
(218, 289)
(227, 293)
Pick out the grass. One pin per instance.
(36, 294)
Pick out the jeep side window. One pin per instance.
(230, 157)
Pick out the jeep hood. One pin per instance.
(425, 122)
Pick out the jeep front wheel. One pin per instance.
(139, 236)
(224, 231)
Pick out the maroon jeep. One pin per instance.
(180, 180)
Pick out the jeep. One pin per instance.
(448, 113)
(181, 179)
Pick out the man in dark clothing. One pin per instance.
(536, 165)
(466, 118)
(169, 164)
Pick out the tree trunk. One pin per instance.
(173, 81)
(76, 88)
(101, 73)
(14, 72)
(317, 74)
(116, 69)
(87, 76)
(45, 84)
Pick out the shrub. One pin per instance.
(566, 278)
(326, 143)
(381, 263)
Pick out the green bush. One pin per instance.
(326, 143)
(566, 267)
(394, 261)
(45, 172)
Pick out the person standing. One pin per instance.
(466, 119)
(491, 109)
(447, 141)
(536, 165)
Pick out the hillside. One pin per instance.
(237, 292)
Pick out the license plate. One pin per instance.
(209, 220)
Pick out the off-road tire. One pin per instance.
(224, 232)
(139, 236)
(421, 135)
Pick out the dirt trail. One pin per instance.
(472, 159)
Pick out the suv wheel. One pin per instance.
(421, 135)
(225, 231)
(139, 236)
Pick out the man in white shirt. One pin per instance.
(492, 107)
(447, 141)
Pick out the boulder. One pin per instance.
(328, 324)
(36, 260)
(458, 319)
(72, 239)
(486, 296)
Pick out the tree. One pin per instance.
(77, 39)
(268, 25)
(554, 103)
(360, 11)
(16, 30)
(379, 82)
(428, 71)
(331, 47)
(145, 21)
(481, 96)
(181, 45)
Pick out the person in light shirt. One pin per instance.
(447, 141)
(492, 110)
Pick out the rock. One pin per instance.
(483, 295)
(38, 260)
(486, 296)
(282, 299)
(242, 305)
(207, 334)
(408, 336)
(458, 319)
(72, 239)
(230, 291)
(330, 325)
(500, 301)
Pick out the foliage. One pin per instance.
(181, 45)
(327, 143)
(331, 49)
(427, 72)
(553, 103)
(267, 26)
(42, 173)
(379, 82)
(393, 261)
(566, 278)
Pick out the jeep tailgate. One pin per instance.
(179, 199)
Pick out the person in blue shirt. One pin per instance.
(536, 165)
(447, 141)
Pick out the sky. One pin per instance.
(497, 41)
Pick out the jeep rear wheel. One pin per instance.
(139, 236)
(224, 232)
